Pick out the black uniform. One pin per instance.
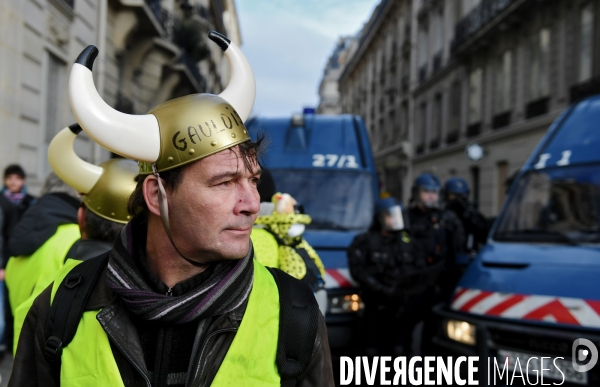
(394, 276)
(438, 233)
(475, 225)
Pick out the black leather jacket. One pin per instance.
(31, 368)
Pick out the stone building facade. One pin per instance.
(375, 84)
(329, 95)
(495, 73)
(150, 51)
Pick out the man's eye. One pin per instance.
(226, 183)
(256, 181)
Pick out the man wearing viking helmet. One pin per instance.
(105, 191)
(179, 299)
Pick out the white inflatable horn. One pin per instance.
(138, 136)
(69, 167)
(132, 136)
(241, 90)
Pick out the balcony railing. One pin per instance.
(586, 89)
(537, 108)
(477, 19)
(501, 120)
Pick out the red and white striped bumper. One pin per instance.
(560, 310)
(338, 278)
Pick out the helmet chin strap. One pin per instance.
(163, 207)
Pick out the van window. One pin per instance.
(555, 205)
(334, 199)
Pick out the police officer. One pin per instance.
(456, 192)
(180, 299)
(102, 214)
(440, 236)
(389, 268)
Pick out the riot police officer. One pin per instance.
(438, 233)
(456, 193)
(389, 269)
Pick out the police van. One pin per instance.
(326, 164)
(534, 289)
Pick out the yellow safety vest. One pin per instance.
(26, 273)
(250, 361)
(266, 248)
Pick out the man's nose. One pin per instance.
(249, 200)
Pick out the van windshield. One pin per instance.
(555, 205)
(335, 200)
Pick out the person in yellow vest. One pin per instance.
(105, 191)
(278, 242)
(41, 241)
(179, 300)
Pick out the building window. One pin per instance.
(454, 113)
(475, 95)
(502, 174)
(393, 127)
(422, 127)
(437, 122)
(503, 82)
(423, 53)
(475, 185)
(54, 95)
(585, 43)
(438, 28)
(404, 120)
(539, 65)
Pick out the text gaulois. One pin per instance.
(194, 133)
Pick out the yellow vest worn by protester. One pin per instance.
(20, 313)
(87, 361)
(266, 248)
(25, 273)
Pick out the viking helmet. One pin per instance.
(176, 132)
(106, 187)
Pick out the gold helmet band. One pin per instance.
(176, 132)
(105, 188)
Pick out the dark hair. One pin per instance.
(14, 169)
(101, 229)
(250, 152)
(266, 187)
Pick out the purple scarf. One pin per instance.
(228, 285)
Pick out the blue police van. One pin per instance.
(326, 164)
(534, 289)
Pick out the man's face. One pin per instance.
(429, 198)
(14, 183)
(213, 209)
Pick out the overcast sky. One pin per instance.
(288, 42)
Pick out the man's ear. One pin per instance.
(81, 221)
(150, 190)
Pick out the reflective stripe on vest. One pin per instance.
(250, 360)
(26, 273)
